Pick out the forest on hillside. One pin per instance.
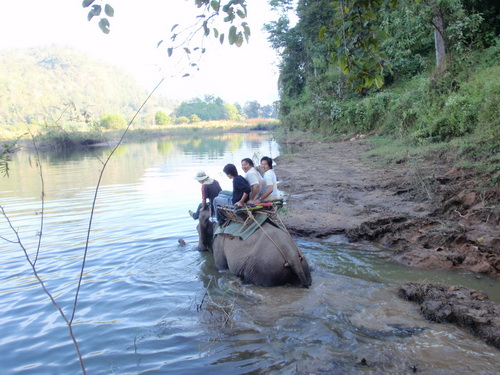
(39, 85)
(427, 71)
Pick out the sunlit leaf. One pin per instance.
(108, 9)
(379, 81)
(87, 3)
(104, 25)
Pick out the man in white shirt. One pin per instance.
(253, 177)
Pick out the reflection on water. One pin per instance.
(149, 305)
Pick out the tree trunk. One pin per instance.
(439, 40)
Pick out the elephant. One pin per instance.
(268, 257)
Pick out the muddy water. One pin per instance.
(149, 305)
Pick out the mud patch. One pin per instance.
(464, 307)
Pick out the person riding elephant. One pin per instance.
(267, 257)
(210, 188)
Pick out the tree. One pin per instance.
(267, 111)
(232, 113)
(251, 109)
(161, 118)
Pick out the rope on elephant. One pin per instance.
(250, 215)
(301, 255)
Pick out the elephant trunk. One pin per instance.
(297, 267)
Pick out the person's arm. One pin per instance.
(241, 202)
(255, 191)
(267, 193)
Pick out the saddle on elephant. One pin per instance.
(247, 213)
(243, 222)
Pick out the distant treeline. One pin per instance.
(60, 86)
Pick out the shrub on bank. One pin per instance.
(112, 121)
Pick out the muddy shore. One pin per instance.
(428, 215)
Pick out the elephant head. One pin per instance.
(205, 231)
(267, 257)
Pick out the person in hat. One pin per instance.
(210, 188)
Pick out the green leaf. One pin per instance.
(96, 10)
(187, 50)
(215, 5)
(87, 3)
(379, 81)
(221, 38)
(232, 35)
(108, 9)
(239, 40)
(160, 42)
(241, 14)
(173, 27)
(104, 25)
(370, 15)
(90, 15)
(170, 51)
(216, 33)
(185, 75)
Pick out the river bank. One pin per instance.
(433, 215)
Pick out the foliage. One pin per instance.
(232, 113)
(317, 97)
(193, 119)
(251, 109)
(37, 84)
(112, 121)
(209, 109)
(161, 118)
(96, 10)
(7, 149)
(181, 120)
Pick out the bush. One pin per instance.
(112, 121)
(193, 119)
(182, 120)
(161, 118)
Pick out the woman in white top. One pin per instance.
(270, 191)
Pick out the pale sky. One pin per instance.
(235, 74)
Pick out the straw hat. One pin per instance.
(203, 177)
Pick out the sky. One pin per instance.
(235, 74)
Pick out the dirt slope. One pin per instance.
(431, 215)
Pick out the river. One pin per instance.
(148, 305)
